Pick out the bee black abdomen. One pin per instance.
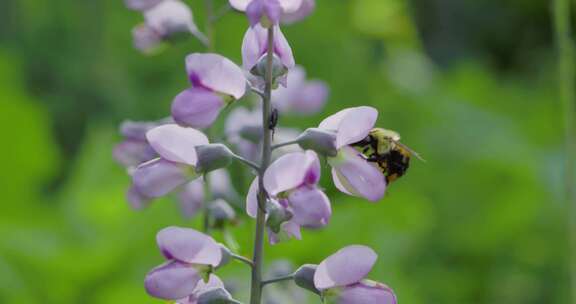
(396, 165)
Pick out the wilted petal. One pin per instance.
(191, 197)
(367, 292)
(310, 207)
(176, 143)
(352, 174)
(141, 5)
(252, 199)
(131, 153)
(306, 8)
(136, 199)
(172, 281)
(216, 73)
(292, 170)
(158, 177)
(196, 108)
(347, 266)
(188, 245)
(170, 16)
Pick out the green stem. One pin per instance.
(256, 288)
(566, 75)
(278, 279)
(209, 6)
(288, 143)
(246, 162)
(242, 259)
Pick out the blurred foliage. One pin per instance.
(468, 84)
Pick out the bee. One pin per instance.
(383, 147)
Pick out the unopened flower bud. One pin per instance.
(321, 141)
(278, 68)
(304, 277)
(221, 212)
(251, 132)
(212, 157)
(276, 216)
(216, 296)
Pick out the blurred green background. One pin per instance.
(469, 84)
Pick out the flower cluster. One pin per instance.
(176, 156)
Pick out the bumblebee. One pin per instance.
(383, 147)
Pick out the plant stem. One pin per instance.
(278, 279)
(256, 288)
(566, 75)
(209, 7)
(247, 162)
(242, 259)
(288, 143)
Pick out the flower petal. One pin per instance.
(189, 246)
(131, 153)
(252, 199)
(136, 199)
(354, 175)
(216, 73)
(332, 122)
(310, 207)
(191, 197)
(282, 49)
(240, 4)
(290, 6)
(367, 293)
(347, 266)
(292, 170)
(253, 46)
(305, 9)
(158, 177)
(196, 108)
(311, 98)
(170, 16)
(356, 125)
(141, 5)
(176, 143)
(172, 281)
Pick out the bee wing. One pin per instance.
(410, 150)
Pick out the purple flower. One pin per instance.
(292, 183)
(305, 9)
(255, 48)
(162, 20)
(351, 172)
(191, 255)
(341, 278)
(134, 149)
(175, 166)
(300, 96)
(216, 81)
(270, 10)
